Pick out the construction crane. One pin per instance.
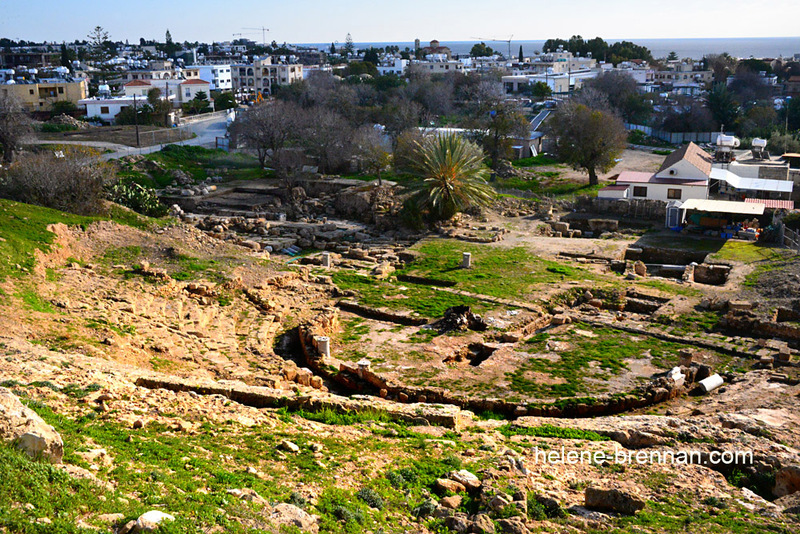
(499, 41)
(263, 31)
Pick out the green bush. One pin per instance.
(55, 128)
(137, 197)
(371, 497)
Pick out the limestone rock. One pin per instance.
(150, 521)
(21, 425)
(290, 515)
(513, 525)
(452, 502)
(288, 446)
(445, 484)
(787, 481)
(465, 478)
(613, 500)
(482, 524)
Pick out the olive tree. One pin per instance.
(587, 139)
(15, 126)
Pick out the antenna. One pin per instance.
(263, 31)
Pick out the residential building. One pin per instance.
(32, 58)
(262, 75)
(395, 65)
(690, 173)
(40, 95)
(107, 109)
(218, 76)
(435, 64)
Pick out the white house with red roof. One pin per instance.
(683, 175)
(190, 88)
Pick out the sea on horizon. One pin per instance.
(741, 47)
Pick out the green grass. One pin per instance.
(191, 268)
(512, 273)
(608, 350)
(670, 287)
(122, 255)
(187, 475)
(540, 160)
(749, 252)
(550, 431)
(421, 299)
(34, 302)
(23, 229)
(198, 162)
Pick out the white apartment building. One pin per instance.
(218, 76)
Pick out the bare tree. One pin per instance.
(269, 128)
(373, 150)
(71, 180)
(15, 126)
(586, 138)
(328, 137)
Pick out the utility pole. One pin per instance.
(136, 120)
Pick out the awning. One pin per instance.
(723, 206)
(772, 203)
(752, 184)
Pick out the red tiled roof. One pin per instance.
(138, 83)
(194, 82)
(771, 203)
(633, 177)
(691, 153)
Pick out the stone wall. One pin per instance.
(640, 209)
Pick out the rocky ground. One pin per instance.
(154, 378)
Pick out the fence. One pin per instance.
(676, 138)
(791, 239)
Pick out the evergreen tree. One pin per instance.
(521, 55)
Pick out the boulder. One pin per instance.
(22, 426)
(482, 524)
(150, 521)
(292, 516)
(513, 525)
(457, 523)
(787, 481)
(452, 502)
(613, 500)
(465, 478)
(445, 484)
(288, 446)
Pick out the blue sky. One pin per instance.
(302, 21)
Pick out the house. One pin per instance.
(40, 95)
(107, 109)
(683, 175)
(189, 89)
(396, 66)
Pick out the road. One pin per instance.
(206, 131)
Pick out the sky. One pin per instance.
(318, 21)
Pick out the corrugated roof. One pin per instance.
(723, 206)
(752, 184)
(691, 153)
(772, 203)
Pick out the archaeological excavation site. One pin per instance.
(302, 356)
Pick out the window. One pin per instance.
(104, 110)
(61, 90)
(674, 194)
(639, 191)
(31, 91)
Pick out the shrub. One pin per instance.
(371, 497)
(137, 197)
(55, 128)
(70, 180)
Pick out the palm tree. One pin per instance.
(452, 173)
